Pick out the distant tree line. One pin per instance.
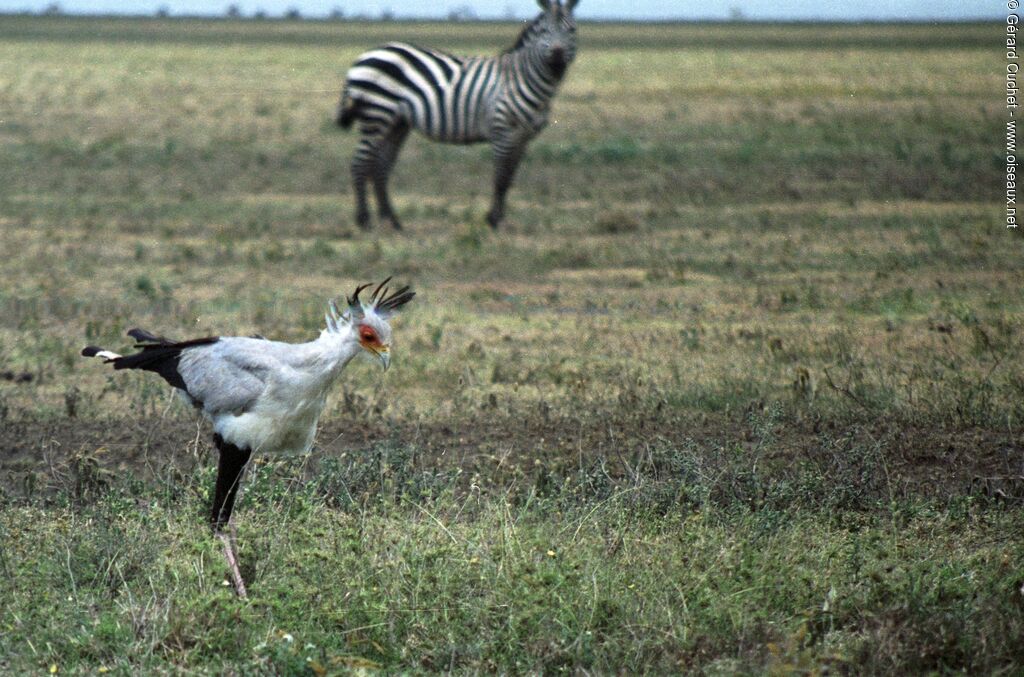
(234, 11)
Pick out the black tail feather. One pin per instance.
(143, 336)
(158, 354)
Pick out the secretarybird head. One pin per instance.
(263, 395)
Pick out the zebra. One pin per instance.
(503, 100)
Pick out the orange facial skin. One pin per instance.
(369, 340)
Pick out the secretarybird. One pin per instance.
(261, 395)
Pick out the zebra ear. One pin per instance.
(544, 5)
(570, 4)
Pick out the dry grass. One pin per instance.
(754, 293)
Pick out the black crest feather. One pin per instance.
(354, 304)
(381, 301)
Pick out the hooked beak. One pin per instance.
(385, 357)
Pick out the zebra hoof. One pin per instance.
(494, 221)
(363, 221)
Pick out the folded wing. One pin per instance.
(227, 377)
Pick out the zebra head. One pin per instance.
(552, 35)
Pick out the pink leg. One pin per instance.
(232, 558)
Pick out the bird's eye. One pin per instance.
(366, 334)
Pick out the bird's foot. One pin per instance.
(232, 558)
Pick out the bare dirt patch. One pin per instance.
(494, 448)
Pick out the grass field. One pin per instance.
(739, 388)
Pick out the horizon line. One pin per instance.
(329, 18)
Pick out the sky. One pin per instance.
(830, 10)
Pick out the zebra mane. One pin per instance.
(524, 35)
(521, 40)
(556, 7)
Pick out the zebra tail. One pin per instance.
(346, 112)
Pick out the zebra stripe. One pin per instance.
(503, 99)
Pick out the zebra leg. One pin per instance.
(506, 160)
(363, 163)
(387, 152)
